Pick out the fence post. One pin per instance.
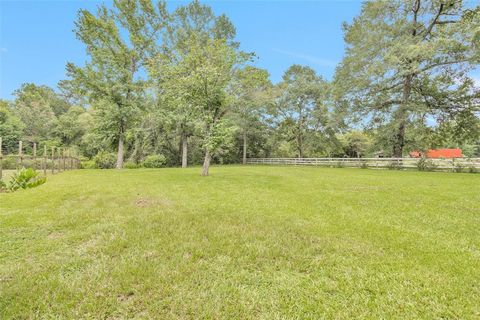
(20, 157)
(34, 156)
(53, 160)
(63, 158)
(1, 159)
(59, 159)
(45, 160)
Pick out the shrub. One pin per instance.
(394, 165)
(131, 165)
(88, 164)
(105, 160)
(364, 165)
(458, 168)
(24, 179)
(426, 165)
(339, 164)
(9, 163)
(154, 161)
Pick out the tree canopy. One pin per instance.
(174, 87)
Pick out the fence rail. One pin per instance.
(455, 164)
(54, 160)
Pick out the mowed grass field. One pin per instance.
(243, 243)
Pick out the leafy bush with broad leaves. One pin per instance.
(155, 161)
(105, 160)
(23, 179)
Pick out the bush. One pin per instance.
(105, 160)
(364, 165)
(88, 164)
(24, 179)
(131, 165)
(472, 169)
(339, 164)
(155, 161)
(458, 168)
(394, 165)
(9, 163)
(426, 165)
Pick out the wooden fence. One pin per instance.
(458, 164)
(54, 159)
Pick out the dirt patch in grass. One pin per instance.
(124, 297)
(145, 202)
(5, 278)
(55, 235)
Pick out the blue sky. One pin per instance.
(36, 38)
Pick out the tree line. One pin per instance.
(176, 86)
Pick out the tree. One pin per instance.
(300, 98)
(250, 90)
(35, 106)
(409, 59)
(11, 128)
(73, 125)
(199, 79)
(355, 143)
(194, 71)
(192, 21)
(118, 42)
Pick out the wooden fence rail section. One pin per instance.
(456, 164)
(59, 160)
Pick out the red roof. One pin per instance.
(444, 153)
(439, 153)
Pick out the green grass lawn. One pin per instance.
(244, 243)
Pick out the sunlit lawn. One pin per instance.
(246, 242)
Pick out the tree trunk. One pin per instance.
(244, 159)
(120, 152)
(402, 113)
(402, 118)
(184, 150)
(300, 146)
(206, 163)
(399, 138)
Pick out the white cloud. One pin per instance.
(312, 59)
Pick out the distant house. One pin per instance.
(438, 153)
